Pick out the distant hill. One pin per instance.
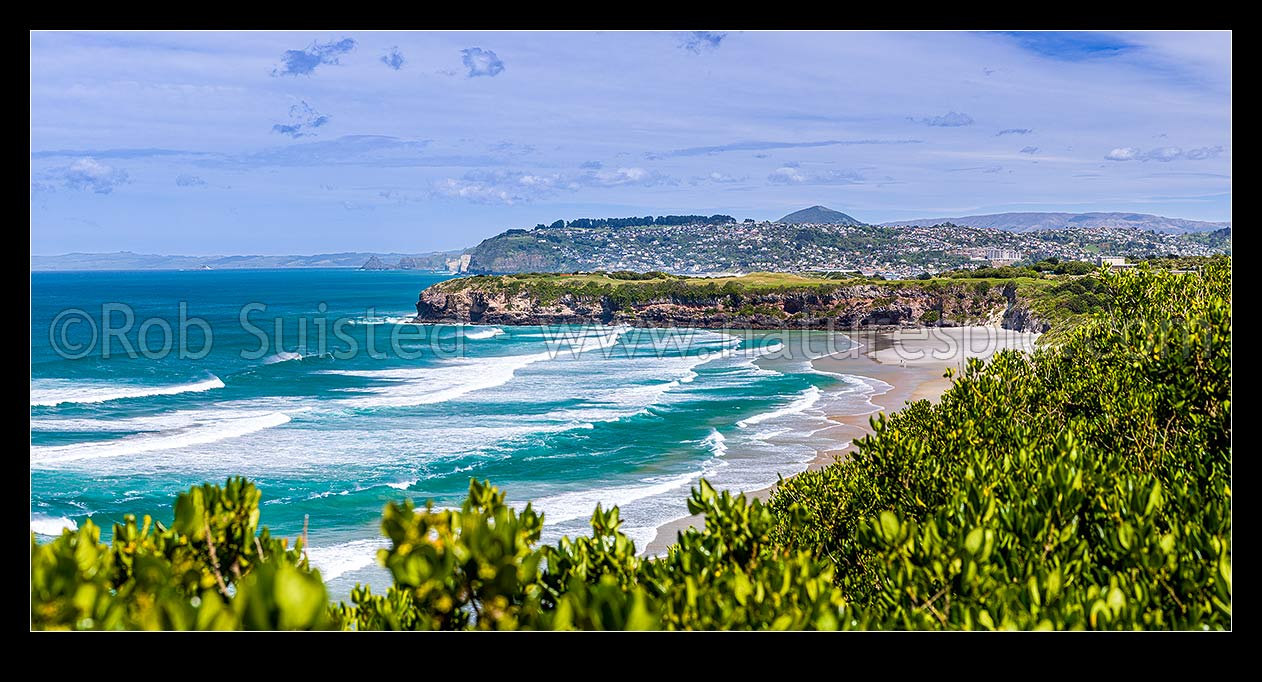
(375, 263)
(818, 215)
(1218, 239)
(1029, 222)
(127, 260)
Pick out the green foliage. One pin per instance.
(731, 576)
(639, 276)
(1055, 266)
(1065, 302)
(1005, 272)
(213, 568)
(1183, 262)
(1217, 239)
(1076, 267)
(478, 568)
(1084, 486)
(930, 317)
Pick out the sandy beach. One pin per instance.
(911, 361)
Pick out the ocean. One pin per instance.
(312, 384)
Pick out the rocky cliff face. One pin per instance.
(857, 306)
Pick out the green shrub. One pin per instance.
(1083, 486)
(1074, 267)
(479, 568)
(212, 569)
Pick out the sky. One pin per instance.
(206, 143)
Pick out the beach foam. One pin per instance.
(759, 351)
(804, 400)
(439, 383)
(53, 392)
(715, 443)
(483, 333)
(51, 526)
(340, 559)
(226, 424)
(599, 340)
(579, 504)
(767, 434)
(643, 383)
(394, 319)
(868, 388)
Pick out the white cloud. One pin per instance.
(951, 119)
(474, 190)
(785, 174)
(621, 176)
(393, 58)
(91, 175)
(1163, 154)
(186, 180)
(481, 62)
(796, 175)
(1122, 154)
(699, 41)
(302, 118)
(499, 186)
(511, 187)
(1202, 153)
(304, 62)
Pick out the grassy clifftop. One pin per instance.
(1039, 301)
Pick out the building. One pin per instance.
(1003, 254)
(1115, 262)
(1003, 257)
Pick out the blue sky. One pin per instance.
(306, 142)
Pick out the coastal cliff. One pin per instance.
(762, 302)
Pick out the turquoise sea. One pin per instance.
(313, 385)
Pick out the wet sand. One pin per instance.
(913, 362)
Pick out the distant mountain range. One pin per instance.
(127, 260)
(1029, 222)
(818, 215)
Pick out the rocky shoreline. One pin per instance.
(860, 306)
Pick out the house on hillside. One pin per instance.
(1001, 257)
(1115, 262)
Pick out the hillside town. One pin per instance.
(892, 252)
